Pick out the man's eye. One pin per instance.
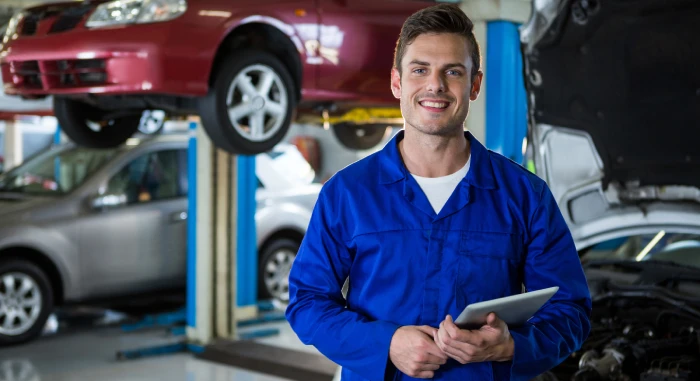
(419, 71)
(453, 72)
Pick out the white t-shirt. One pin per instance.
(439, 189)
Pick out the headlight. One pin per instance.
(12, 27)
(121, 12)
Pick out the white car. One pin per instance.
(285, 198)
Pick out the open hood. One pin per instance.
(614, 109)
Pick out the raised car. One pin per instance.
(247, 68)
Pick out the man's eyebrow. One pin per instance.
(453, 65)
(446, 66)
(417, 62)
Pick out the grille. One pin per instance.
(59, 74)
(26, 74)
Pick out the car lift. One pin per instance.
(221, 256)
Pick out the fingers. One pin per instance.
(459, 351)
(423, 371)
(428, 330)
(451, 327)
(430, 353)
(492, 320)
(461, 335)
(435, 351)
(435, 360)
(430, 347)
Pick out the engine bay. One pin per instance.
(645, 325)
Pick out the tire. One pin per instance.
(228, 89)
(271, 261)
(23, 270)
(359, 136)
(73, 117)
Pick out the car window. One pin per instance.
(151, 177)
(682, 249)
(55, 172)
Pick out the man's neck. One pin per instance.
(433, 156)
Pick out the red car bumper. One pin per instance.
(152, 58)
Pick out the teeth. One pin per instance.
(434, 104)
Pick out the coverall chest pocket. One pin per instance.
(488, 266)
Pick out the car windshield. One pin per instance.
(681, 249)
(56, 171)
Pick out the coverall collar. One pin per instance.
(480, 175)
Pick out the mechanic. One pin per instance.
(429, 224)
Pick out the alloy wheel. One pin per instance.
(20, 303)
(257, 102)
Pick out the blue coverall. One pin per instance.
(500, 229)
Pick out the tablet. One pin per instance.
(515, 310)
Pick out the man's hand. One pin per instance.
(414, 352)
(492, 342)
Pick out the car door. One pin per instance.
(138, 243)
(357, 42)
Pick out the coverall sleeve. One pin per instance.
(316, 310)
(562, 324)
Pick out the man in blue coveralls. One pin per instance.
(429, 224)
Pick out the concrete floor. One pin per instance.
(89, 354)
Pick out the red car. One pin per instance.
(248, 68)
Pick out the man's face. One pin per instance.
(436, 85)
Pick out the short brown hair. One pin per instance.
(442, 18)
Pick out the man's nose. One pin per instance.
(436, 82)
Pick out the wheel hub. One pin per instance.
(258, 103)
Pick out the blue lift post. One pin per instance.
(187, 316)
(246, 254)
(57, 160)
(506, 100)
(246, 266)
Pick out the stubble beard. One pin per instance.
(450, 128)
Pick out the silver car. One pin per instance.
(78, 224)
(612, 89)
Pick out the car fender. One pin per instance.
(275, 22)
(284, 216)
(56, 247)
(242, 19)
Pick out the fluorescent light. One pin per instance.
(650, 246)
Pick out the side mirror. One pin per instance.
(108, 201)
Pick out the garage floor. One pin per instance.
(89, 354)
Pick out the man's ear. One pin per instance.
(476, 85)
(396, 83)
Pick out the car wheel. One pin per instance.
(87, 126)
(359, 136)
(26, 301)
(275, 264)
(249, 107)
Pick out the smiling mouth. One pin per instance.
(434, 104)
